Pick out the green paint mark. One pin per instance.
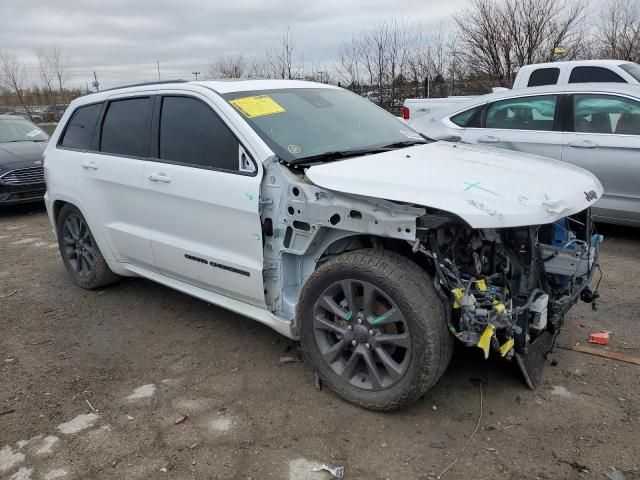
(469, 186)
(379, 319)
(348, 317)
(257, 236)
(249, 196)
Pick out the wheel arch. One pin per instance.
(57, 206)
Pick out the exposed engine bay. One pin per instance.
(506, 289)
(510, 288)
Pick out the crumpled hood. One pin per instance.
(21, 154)
(486, 187)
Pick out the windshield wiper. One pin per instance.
(339, 154)
(405, 143)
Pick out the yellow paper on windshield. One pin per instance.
(258, 106)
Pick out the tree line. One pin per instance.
(482, 47)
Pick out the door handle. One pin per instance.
(488, 139)
(583, 144)
(89, 165)
(160, 177)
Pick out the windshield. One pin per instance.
(632, 69)
(299, 123)
(20, 130)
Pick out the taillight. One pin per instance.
(405, 113)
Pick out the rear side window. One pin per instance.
(192, 133)
(463, 119)
(525, 113)
(124, 129)
(544, 76)
(594, 74)
(79, 130)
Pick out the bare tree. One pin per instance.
(280, 59)
(227, 65)
(498, 37)
(13, 76)
(618, 33)
(45, 71)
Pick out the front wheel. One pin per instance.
(374, 328)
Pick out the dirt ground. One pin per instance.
(142, 355)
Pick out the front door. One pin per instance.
(203, 201)
(525, 124)
(605, 139)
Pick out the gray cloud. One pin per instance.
(122, 39)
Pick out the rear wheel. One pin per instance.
(374, 328)
(80, 253)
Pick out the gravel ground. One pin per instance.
(93, 382)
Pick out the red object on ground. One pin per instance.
(601, 338)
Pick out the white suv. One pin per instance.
(313, 211)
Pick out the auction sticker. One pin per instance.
(293, 149)
(258, 106)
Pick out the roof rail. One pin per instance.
(144, 84)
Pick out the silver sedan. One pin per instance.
(595, 126)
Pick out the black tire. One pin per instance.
(91, 271)
(404, 284)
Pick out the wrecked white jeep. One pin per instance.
(313, 211)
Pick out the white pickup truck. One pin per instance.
(539, 74)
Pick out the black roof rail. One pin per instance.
(144, 84)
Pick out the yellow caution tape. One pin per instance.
(482, 285)
(506, 346)
(485, 340)
(257, 106)
(458, 293)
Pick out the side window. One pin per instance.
(124, 129)
(79, 130)
(526, 113)
(543, 76)
(605, 114)
(192, 133)
(594, 74)
(463, 119)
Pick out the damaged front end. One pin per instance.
(508, 289)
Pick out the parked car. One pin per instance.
(594, 126)
(21, 173)
(540, 74)
(313, 211)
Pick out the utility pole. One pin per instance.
(158, 63)
(196, 74)
(95, 81)
(87, 84)
(322, 73)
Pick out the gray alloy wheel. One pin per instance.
(362, 334)
(79, 250)
(78, 245)
(373, 328)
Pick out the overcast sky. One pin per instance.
(122, 39)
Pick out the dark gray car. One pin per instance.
(21, 173)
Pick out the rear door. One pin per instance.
(110, 176)
(203, 199)
(604, 137)
(529, 124)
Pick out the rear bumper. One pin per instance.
(16, 194)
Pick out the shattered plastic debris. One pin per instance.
(180, 419)
(600, 338)
(336, 472)
(615, 474)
